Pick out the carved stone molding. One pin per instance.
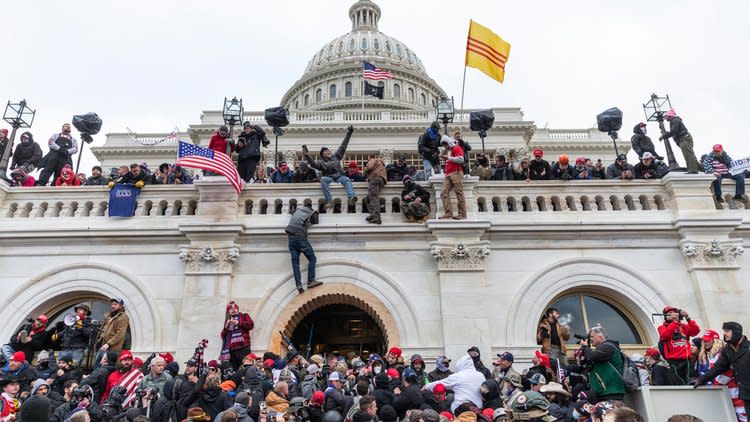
(387, 155)
(713, 254)
(290, 156)
(209, 260)
(460, 257)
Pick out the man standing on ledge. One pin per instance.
(112, 334)
(454, 179)
(329, 165)
(301, 220)
(682, 138)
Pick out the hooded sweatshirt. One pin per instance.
(640, 142)
(27, 152)
(466, 383)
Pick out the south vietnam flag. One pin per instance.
(486, 51)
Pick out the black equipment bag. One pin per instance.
(277, 116)
(481, 120)
(610, 120)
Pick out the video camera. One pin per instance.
(148, 393)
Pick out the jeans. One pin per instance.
(428, 169)
(738, 179)
(75, 354)
(299, 244)
(7, 352)
(325, 181)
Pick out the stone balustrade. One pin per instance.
(487, 200)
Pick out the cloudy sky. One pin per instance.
(153, 65)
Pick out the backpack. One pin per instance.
(629, 374)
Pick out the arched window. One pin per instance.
(307, 99)
(348, 89)
(296, 104)
(397, 91)
(398, 50)
(318, 95)
(364, 44)
(582, 312)
(388, 47)
(352, 45)
(376, 44)
(411, 95)
(332, 92)
(340, 48)
(422, 99)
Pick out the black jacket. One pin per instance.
(737, 358)
(58, 382)
(331, 167)
(213, 400)
(413, 191)
(538, 167)
(248, 144)
(410, 398)
(100, 180)
(75, 337)
(98, 380)
(396, 173)
(429, 148)
(27, 153)
(563, 174)
(640, 142)
(505, 172)
(640, 170)
(677, 130)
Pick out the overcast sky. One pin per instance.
(153, 65)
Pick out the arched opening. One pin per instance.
(339, 329)
(348, 89)
(332, 92)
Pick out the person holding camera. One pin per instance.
(61, 147)
(552, 336)
(605, 360)
(620, 169)
(248, 148)
(674, 341)
(646, 168)
(156, 377)
(235, 335)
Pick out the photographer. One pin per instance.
(61, 147)
(82, 399)
(248, 148)
(553, 336)
(674, 343)
(605, 359)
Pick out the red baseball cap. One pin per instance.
(543, 358)
(439, 389)
(137, 362)
(19, 356)
(43, 318)
(125, 354)
(718, 148)
(488, 412)
(538, 152)
(447, 415)
(167, 357)
(653, 352)
(710, 335)
(213, 363)
(392, 373)
(252, 356)
(268, 363)
(395, 350)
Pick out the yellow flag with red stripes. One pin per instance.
(486, 51)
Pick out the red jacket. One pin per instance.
(218, 144)
(450, 166)
(677, 347)
(246, 324)
(112, 381)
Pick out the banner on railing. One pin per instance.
(739, 166)
(122, 200)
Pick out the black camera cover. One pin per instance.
(277, 116)
(88, 123)
(609, 120)
(481, 120)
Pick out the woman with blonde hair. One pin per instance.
(260, 174)
(710, 350)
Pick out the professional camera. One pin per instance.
(148, 393)
(580, 337)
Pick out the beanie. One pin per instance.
(323, 150)
(112, 357)
(19, 356)
(35, 409)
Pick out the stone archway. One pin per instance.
(333, 294)
(609, 278)
(64, 284)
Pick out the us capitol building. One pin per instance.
(603, 252)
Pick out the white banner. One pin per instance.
(739, 166)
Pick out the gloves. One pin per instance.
(79, 324)
(350, 129)
(139, 184)
(111, 185)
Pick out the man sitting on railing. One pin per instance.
(329, 165)
(96, 179)
(647, 168)
(399, 169)
(429, 147)
(717, 163)
(283, 174)
(415, 202)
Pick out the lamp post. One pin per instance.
(445, 112)
(654, 110)
(232, 114)
(17, 115)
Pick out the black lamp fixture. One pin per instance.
(655, 108)
(232, 114)
(445, 111)
(17, 115)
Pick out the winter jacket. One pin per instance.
(465, 147)
(331, 167)
(308, 386)
(505, 172)
(58, 382)
(429, 147)
(97, 380)
(276, 402)
(241, 412)
(544, 336)
(437, 375)
(62, 144)
(483, 172)
(27, 153)
(63, 412)
(614, 171)
(213, 401)
(583, 173)
(640, 142)
(301, 220)
(307, 177)
(376, 168)
(708, 161)
(185, 179)
(641, 169)
(538, 167)
(410, 398)
(413, 191)
(382, 392)
(560, 173)
(155, 381)
(25, 375)
(336, 400)
(675, 339)
(219, 144)
(248, 144)
(466, 383)
(677, 130)
(99, 180)
(246, 324)
(737, 358)
(396, 173)
(279, 177)
(77, 336)
(606, 369)
(114, 330)
(491, 398)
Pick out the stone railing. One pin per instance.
(266, 202)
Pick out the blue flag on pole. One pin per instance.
(122, 200)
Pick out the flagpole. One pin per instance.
(463, 87)
(363, 93)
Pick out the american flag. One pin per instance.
(189, 155)
(560, 372)
(131, 380)
(375, 73)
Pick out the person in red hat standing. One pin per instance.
(393, 361)
(674, 340)
(717, 163)
(235, 335)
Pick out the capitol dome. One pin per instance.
(333, 78)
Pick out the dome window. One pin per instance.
(376, 44)
(318, 95)
(307, 99)
(296, 104)
(388, 47)
(348, 89)
(330, 51)
(422, 99)
(340, 48)
(332, 92)
(352, 45)
(397, 91)
(364, 44)
(411, 95)
(398, 50)
(408, 56)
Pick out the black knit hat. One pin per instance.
(323, 149)
(35, 409)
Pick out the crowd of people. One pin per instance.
(241, 385)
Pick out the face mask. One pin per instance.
(377, 370)
(643, 130)
(575, 415)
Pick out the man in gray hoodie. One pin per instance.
(301, 220)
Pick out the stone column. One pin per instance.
(209, 266)
(460, 256)
(710, 253)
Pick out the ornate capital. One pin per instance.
(460, 257)
(290, 156)
(713, 254)
(387, 155)
(209, 260)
